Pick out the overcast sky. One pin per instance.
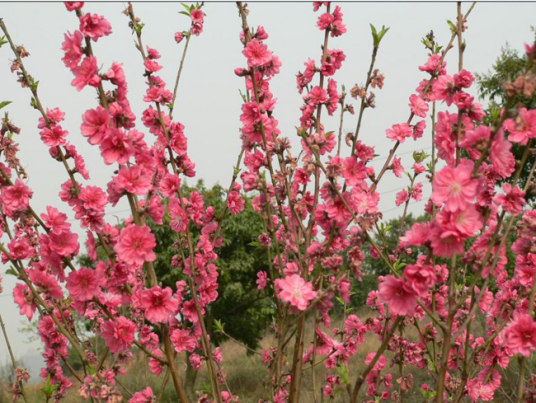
(209, 102)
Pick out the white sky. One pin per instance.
(209, 102)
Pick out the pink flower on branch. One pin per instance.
(135, 245)
(119, 334)
(158, 304)
(95, 26)
(296, 291)
(86, 74)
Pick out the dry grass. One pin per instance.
(246, 375)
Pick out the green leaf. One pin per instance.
(377, 37)
(139, 27)
(452, 26)
(244, 98)
(2, 41)
(12, 272)
(184, 13)
(5, 103)
(382, 33)
(398, 265)
(218, 326)
(374, 35)
(343, 373)
(426, 42)
(49, 389)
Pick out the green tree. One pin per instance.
(239, 259)
(239, 301)
(508, 66)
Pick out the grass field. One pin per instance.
(246, 374)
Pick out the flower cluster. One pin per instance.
(321, 219)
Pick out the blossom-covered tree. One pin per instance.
(319, 210)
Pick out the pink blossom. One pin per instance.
(151, 66)
(93, 198)
(513, 199)
(178, 37)
(455, 186)
(463, 79)
(418, 106)
(169, 185)
(397, 167)
(416, 236)
(398, 295)
(432, 65)
(317, 96)
(257, 53)
(475, 141)
(95, 26)
(262, 280)
(64, 244)
(152, 53)
(72, 47)
(235, 202)
(333, 100)
(116, 147)
(19, 248)
(466, 221)
(135, 245)
(16, 197)
(401, 197)
(418, 129)
(338, 27)
(354, 171)
(333, 62)
(419, 168)
(74, 5)
(144, 396)
(195, 361)
(446, 241)
(477, 390)
(502, 159)
(197, 16)
(83, 284)
(158, 304)
(365, 202)
(296, 291)
(45, 283)
(324, 21)
(444, 89)
(183, 341)
(53, 137)
(520, 335)
(421, 278)
(135, 180)
(55, 220)
(95, 124)
(399, 132)
(118, 334)
(523, 127)
(24, 299)
(416, 191)
(86, 74)
(196, 28)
